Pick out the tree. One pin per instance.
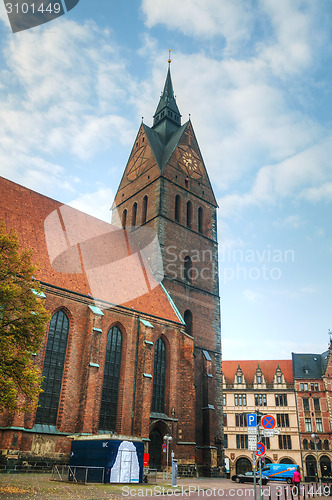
(23, 318)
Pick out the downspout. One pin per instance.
(298, 426)
(135, 377)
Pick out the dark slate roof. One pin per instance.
(309, 366)
(167, 98)
(163, 153)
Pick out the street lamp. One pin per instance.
(168, 440)
(315, 439)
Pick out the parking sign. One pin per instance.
(251, 420)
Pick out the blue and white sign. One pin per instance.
(251, 420)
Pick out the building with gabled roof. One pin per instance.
(313, 384)
(263, 387)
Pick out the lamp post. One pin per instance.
(315, 439)
(168, 440)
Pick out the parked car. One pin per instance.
(248, 477)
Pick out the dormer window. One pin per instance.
(239, 379)
(259, 379)
(279, 380)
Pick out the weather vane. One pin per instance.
(169, 56)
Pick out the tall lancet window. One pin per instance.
(110, 393)
(53, 369)
(159, 377)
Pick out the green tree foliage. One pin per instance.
(23, 318)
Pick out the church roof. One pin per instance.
(83, 254)
(167, 118)
(167, 99)
(249, 368)
(162, 152)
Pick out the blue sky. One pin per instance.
(255, 76)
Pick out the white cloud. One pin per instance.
(252, 295)
(289, 178)
(308, 289)
(290, 222)
(317, 194)
(96, 204)
(195, 18)
(63, 88)
(292, 45)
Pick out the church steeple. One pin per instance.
(167, 118)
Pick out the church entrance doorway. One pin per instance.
(155, 449)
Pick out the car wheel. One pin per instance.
(289, 481)
(237, 480)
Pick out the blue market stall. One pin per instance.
(107, 460)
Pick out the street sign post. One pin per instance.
(252, 442)
(260, 450)
(268, 422)
(252, 431)
(268, 433)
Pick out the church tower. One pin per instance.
(166, 187)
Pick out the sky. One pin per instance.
(255, 77)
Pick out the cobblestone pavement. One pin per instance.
(41, 487)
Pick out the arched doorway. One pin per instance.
(243, 465)
(286, 461)
(311, 467)
(155, 449)
(325, 466)
(267, 461)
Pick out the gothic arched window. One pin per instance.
(188, 319)
(200, 220)
(159, 377)
(187, 265)
(53, 369)
(144, 209)
(134, 215)
(124, 218)
(109, 397)
(177, 208)
(189, 214)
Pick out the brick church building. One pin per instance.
(133, 346)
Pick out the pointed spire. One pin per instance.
(167, 118)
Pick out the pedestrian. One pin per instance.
(296, 480)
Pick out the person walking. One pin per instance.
(296, 480)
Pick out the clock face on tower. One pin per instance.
(190, 162)
(137, 163)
